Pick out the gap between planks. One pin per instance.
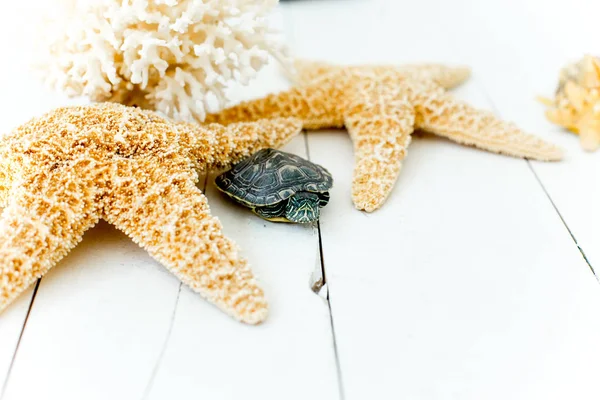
(290, 22)
(171, 324)
(563, 220)
(12, 361)
(481, 88)
(323, 273)
(148, 387)
(161, 354)
(164, 347)
(327, 295)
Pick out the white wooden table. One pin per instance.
(473, 282)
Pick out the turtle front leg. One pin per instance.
(275, 212)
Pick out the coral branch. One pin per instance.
(177, 57)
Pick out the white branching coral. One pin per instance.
(175, 56)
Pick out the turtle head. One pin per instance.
(303, 208)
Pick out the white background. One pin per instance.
(467, 284)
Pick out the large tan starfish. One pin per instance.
(61, 173)
(380, 106)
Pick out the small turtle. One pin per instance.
(278, 186)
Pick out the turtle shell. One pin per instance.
(270, 176)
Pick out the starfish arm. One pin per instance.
(380, 120)
(236, 141)
(5, 175)
(448, 77)
(445, 76)
(308, 71)
(45, 218)
(317, 105)
(162, 210)
(439, 113)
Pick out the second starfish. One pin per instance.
(381, 106)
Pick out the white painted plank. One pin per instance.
(11, 325)
(517, 64)
(101, 315)
(102, 318)
(458, 287)
(20, 99)
(459, 290)
(446, 320)
(290, 356)
(465, 285)
(98, 323)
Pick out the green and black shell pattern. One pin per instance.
(271, 176)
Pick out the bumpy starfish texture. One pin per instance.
(576, 105)
(380, 106)
(307, 71)
(61, 173)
